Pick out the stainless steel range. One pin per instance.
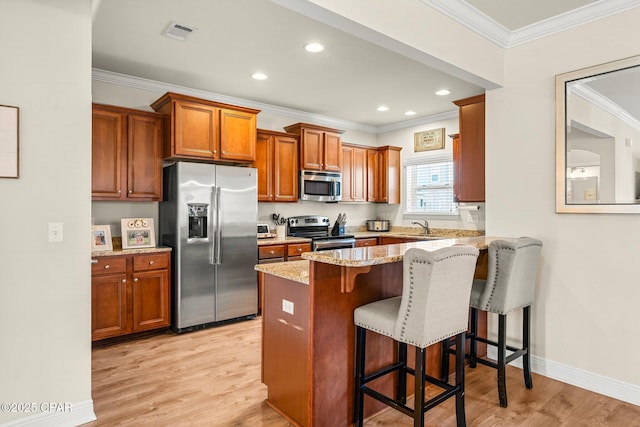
(316, 228)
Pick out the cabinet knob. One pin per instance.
(124, 280)
(135, 280)
(224, 152)
(150, 262)
(119, 191)
(272, 252)
(215, 151)
(299, 249)
(106, 267)
(130, 191)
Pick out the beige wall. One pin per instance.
(45, 294)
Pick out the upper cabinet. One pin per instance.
(277, 164)
(383, 174)
(354, 173)
(468, 151)
(320, 147)
(198, 129)
(126, 154)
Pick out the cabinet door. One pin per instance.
(347, 177)
(150, 300)
(295, 250)
(264, 163)
(391, 172)
(373, 176)
(311, 149)
(108, 306)
(237, 135)
(285, 180)
(108, 145)
(332, 159)
(144, 157)
(195, 131)
(358, 175)
(457, 170)
(470, 158)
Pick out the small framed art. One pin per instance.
(9, 123)
(101, 238)
(138, 233)
(428, 140)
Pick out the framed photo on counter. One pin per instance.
(101, 238)
(138, 233)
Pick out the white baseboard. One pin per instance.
(79, 414)
(596, 383)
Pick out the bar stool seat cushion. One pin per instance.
(379, 316)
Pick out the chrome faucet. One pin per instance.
(424, 226)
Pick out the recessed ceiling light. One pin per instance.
(443, 92)
(313, 47)
(259, 76)
(383, 108)
(410, 113)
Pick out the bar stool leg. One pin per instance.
(418, 404)
(502, 355)
(460, 413)
(444, 360)
(401, 391)
(358, 402)
(526, 357)
(473, 344)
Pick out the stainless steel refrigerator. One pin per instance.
(208, 216)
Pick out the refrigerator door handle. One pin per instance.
(218, 235)
(214, 226)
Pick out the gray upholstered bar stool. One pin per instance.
(433, 307)
(510, 285)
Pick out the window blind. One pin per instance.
(429, 186)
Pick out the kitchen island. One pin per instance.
(308, 331)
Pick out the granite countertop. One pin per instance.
(298, 271)
(282, 240)
(383, 254)
(117, 249)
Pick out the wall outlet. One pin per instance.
(55, 232)
(287, 306)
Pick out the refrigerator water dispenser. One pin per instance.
(198, 220)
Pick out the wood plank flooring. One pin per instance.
(212, 378)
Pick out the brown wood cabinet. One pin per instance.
(320, 147)
(126, 151)
(367, 241)
(277, 164)
(383, 174)
(198, 129)
(384, 240)
(354, 173)
(129, 293)
(468, 151)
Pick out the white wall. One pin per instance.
(584, 317)
(45, 288)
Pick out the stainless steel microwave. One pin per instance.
(320, 186)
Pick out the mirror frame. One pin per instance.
(561, 126)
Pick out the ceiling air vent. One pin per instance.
(178, 32)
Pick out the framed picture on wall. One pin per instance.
(9, 123)
(428, 140)
(101, 238)
(138, 233)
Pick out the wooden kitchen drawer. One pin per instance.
(373, 241)
(273, 251)
(295, 250)
(109, 265)
(150, 262)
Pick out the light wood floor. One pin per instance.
(212, 378)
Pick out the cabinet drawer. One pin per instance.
(109, 265)
(150, 262)
(275, 251)
(366, 242)
(297, 249)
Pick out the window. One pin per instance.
(429, 186)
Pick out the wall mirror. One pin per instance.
(598, 139)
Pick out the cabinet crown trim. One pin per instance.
(171, 96)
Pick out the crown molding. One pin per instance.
(475, 20)
(596, 98)
(297, 115)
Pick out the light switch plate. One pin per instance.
(55, 232)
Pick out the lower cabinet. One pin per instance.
(129, 293)
(278, 253)
(369, 241)
(394, 240)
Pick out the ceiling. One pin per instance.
(347, 81)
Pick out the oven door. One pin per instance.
(330, 244)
